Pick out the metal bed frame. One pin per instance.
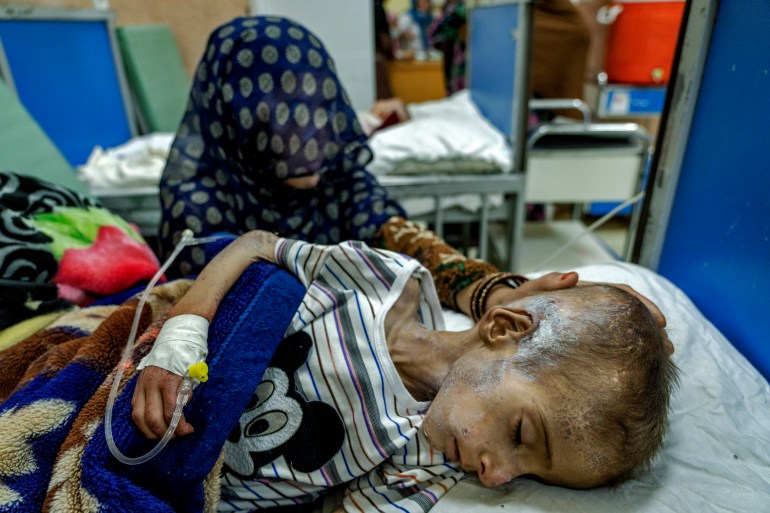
(438, 187)
(498, 71)
(498, 54)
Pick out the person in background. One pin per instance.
(383, 50)
(411, 31)
(269, 140)
(448, 34)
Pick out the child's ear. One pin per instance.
(505, 325)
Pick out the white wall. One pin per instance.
(346, 27)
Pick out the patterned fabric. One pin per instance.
(26, 252)
(54, 387)
(59, 248)
(266, 105)
(332, 408)
(451, 270)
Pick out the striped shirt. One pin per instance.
(384, 456)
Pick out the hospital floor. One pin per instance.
(542, 247)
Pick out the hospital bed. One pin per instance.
(717, 454)
(475, 159)
(463, 165)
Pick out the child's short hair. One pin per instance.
(600, 348)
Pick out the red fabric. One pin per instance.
(112, 264)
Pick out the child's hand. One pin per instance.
(154, 402)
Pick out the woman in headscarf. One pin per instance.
(270, 141)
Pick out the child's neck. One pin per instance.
(422, 357)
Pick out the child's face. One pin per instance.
(502, 426)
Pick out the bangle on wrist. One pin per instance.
(481, 292)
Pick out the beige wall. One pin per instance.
(397, 6)
(191, 21)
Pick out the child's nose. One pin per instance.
(492, 474)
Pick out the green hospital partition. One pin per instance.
(156, 75)
(26, 149)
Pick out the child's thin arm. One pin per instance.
(155, 393)
(219, 275)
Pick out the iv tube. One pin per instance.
(185, 389)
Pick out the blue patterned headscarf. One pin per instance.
(266, 105)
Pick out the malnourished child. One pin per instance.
(568, 385)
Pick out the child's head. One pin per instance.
(571, 386)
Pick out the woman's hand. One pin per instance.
(154, 402)
(503, 294)
(386, 107)
(652, 307)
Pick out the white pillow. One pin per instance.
(450, 129)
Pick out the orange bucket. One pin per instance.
(641, 40)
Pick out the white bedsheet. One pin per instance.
(446, 136)
(448, 130)
(717, 453)
(136, 163)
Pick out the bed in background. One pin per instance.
(473, 158)
(449, 164)
(492, 195)
(717, 453)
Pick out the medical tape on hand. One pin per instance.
(182, 341)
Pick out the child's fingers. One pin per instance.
(138, 409)
(652, 307)
(153, 414)
(169, 405)
(656, 313)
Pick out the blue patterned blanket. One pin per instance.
(54, 387)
